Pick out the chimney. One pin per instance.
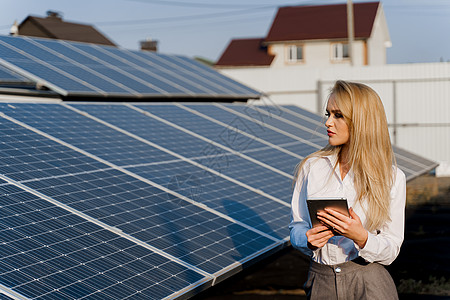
(14, 30)
(149, 45)
(54, 15)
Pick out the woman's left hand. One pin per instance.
(350, 227)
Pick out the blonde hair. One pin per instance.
(370, 152)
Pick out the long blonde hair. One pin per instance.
(370, 152)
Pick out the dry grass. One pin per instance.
(428, 189)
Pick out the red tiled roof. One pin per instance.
(245, 52)
(56, 28)
(321, 22)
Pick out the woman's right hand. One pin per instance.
(318, 237)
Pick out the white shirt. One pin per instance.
(318, 178)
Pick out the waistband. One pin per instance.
(343, 268)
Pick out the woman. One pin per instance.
(347, 253)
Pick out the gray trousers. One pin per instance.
(353, 280)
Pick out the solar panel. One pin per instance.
(48, 252)
(195, 147)
(154, 201)
(226, 134)
(87, 191)
(74, 69)
(255, 123)
(8, 76)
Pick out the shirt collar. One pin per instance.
(333, 159)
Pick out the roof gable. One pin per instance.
(56, 28)
(245, 52)
(321, 22)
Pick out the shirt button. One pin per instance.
(337, 270)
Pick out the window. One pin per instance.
(340, 51)
(294, 53)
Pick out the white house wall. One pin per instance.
(378, 41)
(315, 54)
(419, 114)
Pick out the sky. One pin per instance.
(419, 29)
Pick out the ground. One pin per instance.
(421, 271)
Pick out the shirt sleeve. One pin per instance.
(300, 222)
(385, 246)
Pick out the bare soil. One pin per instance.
(421, 271)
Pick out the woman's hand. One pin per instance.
(318, 237)
(350, 227)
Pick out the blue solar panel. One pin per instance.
(206, 72)
(174, 77)
(153, 216)
(256, 126)
(303, 113)
(226, 135)
(301, 129)
(73, 69)
(85, 133)
(9, 76)
(40, 70)
(219, 194)
(50, 253)
(190, 146)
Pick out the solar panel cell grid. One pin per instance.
(81, 258)
(303, 113)
(119, 204)
(224, 134)
(305, 132)
(219, 194)
(210, 74)
(158, 71)
(86, 133)
(184, 76)
(139, 124)
(33, 156)
(256, 127)
(189, 146)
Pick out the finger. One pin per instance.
(337, 218)
(333, 227)
(337, 214)
(320, 242)
(316, 235)
(329, 222)
(352, 213)
(319, 228)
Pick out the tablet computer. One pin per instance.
(319, 204)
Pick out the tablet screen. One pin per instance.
(319, 204)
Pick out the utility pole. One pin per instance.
(350, 30)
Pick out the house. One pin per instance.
(314, 36)
(54, 27)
